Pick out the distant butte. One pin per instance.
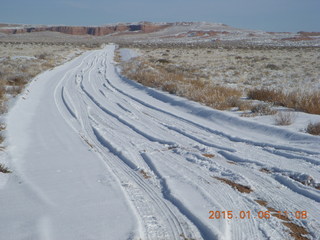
(143, 27)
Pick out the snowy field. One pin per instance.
(96, 156)
(285, 68)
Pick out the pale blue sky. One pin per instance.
(268, 15)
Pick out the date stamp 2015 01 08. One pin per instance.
(256, 215)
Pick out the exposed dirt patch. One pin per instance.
(296, 231)
(208, 155)
(237, 186)
(261, 202)
(265, 170)
(185, 238)
(230, 162)
(145, 174)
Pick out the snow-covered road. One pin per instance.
(97, 156)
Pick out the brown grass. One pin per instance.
(4, 169)
(179, 81)
(239, 187)
(299, 100)
(267, 95)
(313, 128)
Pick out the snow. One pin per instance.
(127, 53)
(81, 136)
(23, 57)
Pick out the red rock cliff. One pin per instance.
(95, 31)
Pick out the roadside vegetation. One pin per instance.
(300, 100)
(182, 82)
(253, 80)
(313, 128)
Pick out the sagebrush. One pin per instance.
(313, 128)
(300, 100)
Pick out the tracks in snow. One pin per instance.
(129, 133)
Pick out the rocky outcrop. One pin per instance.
(144, 27)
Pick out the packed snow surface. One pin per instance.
(97, 156)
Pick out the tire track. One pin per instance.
(106, 114)
(153, 230)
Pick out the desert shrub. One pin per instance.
(272, 66)
(42, 56)
(299, 100)
(17, 80)
(313, 128)
(162, 60)
(170, 87)
(4, 169)
(263, 109)
(284, 118)
(15, 90)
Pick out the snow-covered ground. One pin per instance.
(97, 156)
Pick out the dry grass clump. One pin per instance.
(263, 109)
(308, 102)
(267, 95)
(241, 105)
(284, 118)
(260, 109)
(4, 169)
(182, 82)
(313, 128)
